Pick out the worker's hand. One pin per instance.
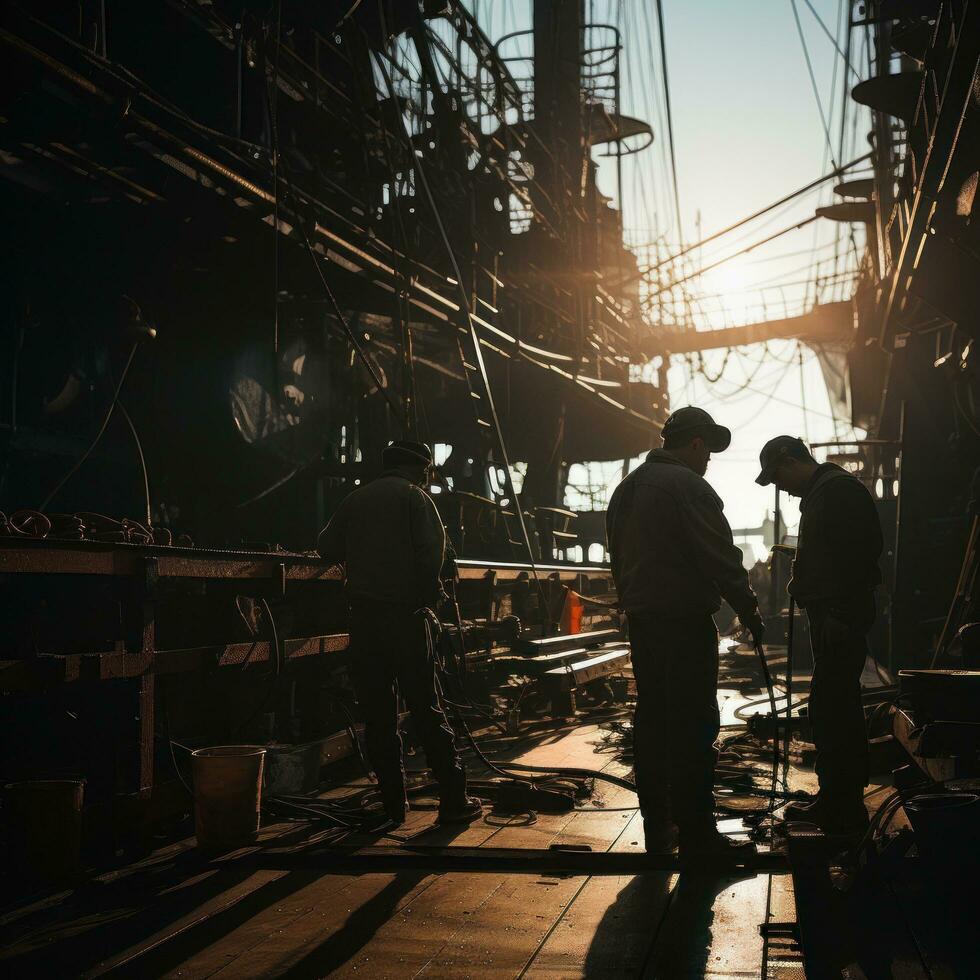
(753, 622)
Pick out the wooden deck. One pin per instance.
(177, 916)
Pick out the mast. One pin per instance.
(560, 160)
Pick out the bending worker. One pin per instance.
(673, 560)
(389, 536)
(835, 574)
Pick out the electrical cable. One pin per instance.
(139, 450)
(279, 662)
(98, 435)
(775, 738)
(511, 770)
(282, 481)
(351, 732)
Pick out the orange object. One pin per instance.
(571, 613)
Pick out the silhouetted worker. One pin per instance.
(835, 574)
(673, 560)
(390, 537)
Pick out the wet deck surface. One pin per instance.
(176, 915)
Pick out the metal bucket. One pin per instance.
(227, 795)
(946, 826)
(293, 769)
(44, 820)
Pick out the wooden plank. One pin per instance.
(515, 915)
(321, 924)
(136, 956)
(387, 924)
(95, 558)
(325, 924)
(40, 672)
(610, 925)
(516, 919)
(510, 571)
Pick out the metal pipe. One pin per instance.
(789, 686)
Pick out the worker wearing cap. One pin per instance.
(390, 538)
(673, 561)
(835, 574)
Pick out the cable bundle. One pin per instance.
(83, 526)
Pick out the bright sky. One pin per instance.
(747, 130)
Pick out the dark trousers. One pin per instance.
(836, 710)
(675, 663)
(390, 655)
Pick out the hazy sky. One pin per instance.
(747, 131)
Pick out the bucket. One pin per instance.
(227, 795)
(44, 821)
(946, 826)
(293, 769)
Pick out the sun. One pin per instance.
(726, 295)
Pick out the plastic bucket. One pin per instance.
(946, 825)
(227, 795)
(44, 821)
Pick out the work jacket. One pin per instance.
(389, 536)
(670, 544)
(840, 543)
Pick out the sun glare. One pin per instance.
(726, 300)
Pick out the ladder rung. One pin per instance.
(484, 423)
(469, 367)
(474, 394)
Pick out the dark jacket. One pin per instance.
(839, 545)
(390, 537)
(671, 547)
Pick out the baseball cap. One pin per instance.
(716, 437)
(403, 452)
(774, 450)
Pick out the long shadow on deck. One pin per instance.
(357, 931)
(648, 932)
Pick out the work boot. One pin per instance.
(659, 835)
(711, 845)
(461, 809)
(396, 812)
(835, 816)
(395, 802)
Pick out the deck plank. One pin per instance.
(611, 924)
(460, 925)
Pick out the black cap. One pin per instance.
(774, 450)
(403, 452)
(690, 419)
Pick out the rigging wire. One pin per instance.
(735, 255)
(813, 83)
(845, 55)
(670, 117)
(477, 351)
(837, 172)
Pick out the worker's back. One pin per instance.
(670, 545)
(389, 536)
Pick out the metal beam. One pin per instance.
(830, 321)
